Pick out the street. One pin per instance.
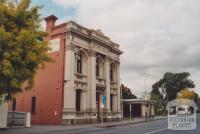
(152, 127)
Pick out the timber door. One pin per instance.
(98, 104)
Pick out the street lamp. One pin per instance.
(121, 99)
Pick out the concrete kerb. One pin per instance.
(115, 124)
(3, 129)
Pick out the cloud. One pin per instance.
(155, 35)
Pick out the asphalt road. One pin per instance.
(152, 127)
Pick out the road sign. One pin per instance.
(102, 106)
(104, 99)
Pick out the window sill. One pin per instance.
(100, 78)
(80, 75)
(113, 82)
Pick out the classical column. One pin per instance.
(83, 100)
(115, 105)
(69, 92)
(143, 109)
(107, 72)
(91, 92)
(118, 91)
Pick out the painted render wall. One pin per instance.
(3, 115)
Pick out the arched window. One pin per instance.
(112, 66)
(97, 67)
(79, 63)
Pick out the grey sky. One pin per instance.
(156, 35)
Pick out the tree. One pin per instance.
(188, 94)
(158, 97)
(171, 84)
(23, 49)
(159, 103)
(127, 93)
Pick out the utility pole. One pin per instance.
(145, 82)
(121, 100)
(130, 110)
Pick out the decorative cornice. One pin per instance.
(108, 59)
(92, 35)
(116, 62)
(70, 46)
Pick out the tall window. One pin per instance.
(97, 67)
(33, 105)
(111, 72)
(14, 104)
(78, 100)
(79, 63)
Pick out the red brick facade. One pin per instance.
(48, 88)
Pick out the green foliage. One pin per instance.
(171, 84)
(23, 49)
(188, 94)
(159, 103)
(127, 93)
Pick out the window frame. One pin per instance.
(14, 104)
(79, 62)
(33, 105)
(98, 62)
(112, 66)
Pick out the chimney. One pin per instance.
(50, 23)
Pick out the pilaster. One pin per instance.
(69, 92)
(118, 87)
(107, 72)
(91, 93)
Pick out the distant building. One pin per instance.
(138, 108)
(69, 91)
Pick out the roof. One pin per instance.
(138, 101)
(87, 33)
(179, 102)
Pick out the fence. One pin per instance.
(19, 119)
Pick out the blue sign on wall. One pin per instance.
(104, 99)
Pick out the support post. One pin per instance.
(130, 110)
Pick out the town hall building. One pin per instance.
(69, 91)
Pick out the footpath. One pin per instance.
(53, 128)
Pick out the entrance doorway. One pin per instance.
(98, 104)
(78, 100)
(135, 110)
